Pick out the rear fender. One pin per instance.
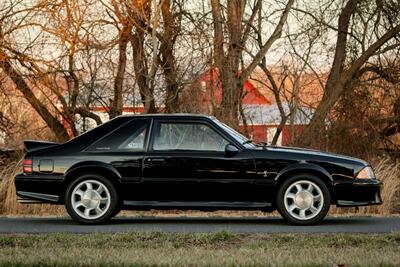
(96, 167)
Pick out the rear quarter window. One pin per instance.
(130, 137)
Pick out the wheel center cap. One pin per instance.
(303, 200)
(91, 199)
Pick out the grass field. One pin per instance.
(217, 249)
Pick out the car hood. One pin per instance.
(311, 152)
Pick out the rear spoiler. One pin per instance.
(37, 145)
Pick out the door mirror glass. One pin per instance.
(231, 150)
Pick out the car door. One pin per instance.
(186, 161)
(124, 149)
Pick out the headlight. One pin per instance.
(366, 173)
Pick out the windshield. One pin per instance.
(236, 135)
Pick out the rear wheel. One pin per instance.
(91, 199)
(303, 199)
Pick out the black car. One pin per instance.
(185, 161)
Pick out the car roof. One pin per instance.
(169, 115)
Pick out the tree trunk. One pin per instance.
(168, 59)
(229, 108)
(52, 122)
(313, 130)
(228, 64)
(141, 72)
(334, 86)
(117, 102)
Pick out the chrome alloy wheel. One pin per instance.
(90, 199)
(303, 200)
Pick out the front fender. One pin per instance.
(303, 168)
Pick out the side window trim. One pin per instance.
(157, 123)
(149, 136)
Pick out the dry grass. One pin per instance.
(386, 170)
(197, 249)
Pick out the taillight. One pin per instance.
(27, 165)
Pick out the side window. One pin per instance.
(130, 137)
(188, 136)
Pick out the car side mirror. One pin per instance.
(231, 150)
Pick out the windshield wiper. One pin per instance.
(263, 144)
(248, 141)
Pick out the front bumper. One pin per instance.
(359, 192)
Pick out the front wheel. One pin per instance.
(303, 199)
(91, 199)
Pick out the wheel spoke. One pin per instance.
(292, 207)
(317, 198)
(77, 204)
(313, 209)
(103, 200)
(87, 212)
(310, 188)
(98, 210)
(302, 213)
(89, 186)
(79, 192)
(299, 187)
(291, 195)
(100, 189)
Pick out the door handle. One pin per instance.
(156, 160)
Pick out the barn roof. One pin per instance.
(209, 81)
(270, 115)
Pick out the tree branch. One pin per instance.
(267, 45)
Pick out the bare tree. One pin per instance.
(8, 54)
(229, 48)
(58, 22)
(365, 28)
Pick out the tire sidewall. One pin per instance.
(113, 195)
(281, 195)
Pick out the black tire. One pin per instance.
(323, 208)
(117, 210)
(108, 212)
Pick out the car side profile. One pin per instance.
(187, 161)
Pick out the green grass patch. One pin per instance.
(196, 249)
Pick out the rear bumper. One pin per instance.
(39, 189)
(360, 192)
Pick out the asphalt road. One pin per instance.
(179, 224)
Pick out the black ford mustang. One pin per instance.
(188, 161)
